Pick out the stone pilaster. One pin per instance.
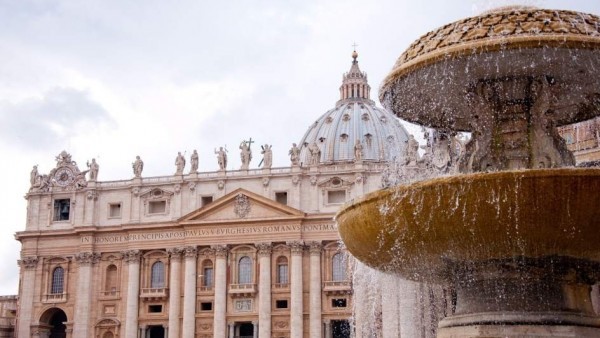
(315, 290)
(220, 311)
(264, 291)
(28, 265)
(297, 310)
(81, 327)
(174, 292)
(132, 258)
(189, 293)
(327, 328)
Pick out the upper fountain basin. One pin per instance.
(431, 82)
(421, 231)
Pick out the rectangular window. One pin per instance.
(206, 306)
(114, 210)
(281, 304)
(336, 197)
(282, 273)
(208, 277)
(62, 209)
(157, 207)
(206, 200)
(281, 197)
(154, 308)
(338, 302)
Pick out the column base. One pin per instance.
(517, 331)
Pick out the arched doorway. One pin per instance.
(55, 318)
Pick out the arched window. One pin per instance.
(207, 272)
(282, 270)
(338, 262)
(58, 280)
(157, 277)
(111, 279)
(245, 270)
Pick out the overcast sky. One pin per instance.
(114, 79)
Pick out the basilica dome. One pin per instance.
(355, 117)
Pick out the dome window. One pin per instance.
(390, 138)
(321, 139)
(383, 119)
(344, 137)
(368, 139)
(346, 117)
(365, 117)
(329, 119)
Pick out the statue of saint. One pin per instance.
(138, 166)
(222, 158)
(267, 156)
(358, 151)
(33, 176)
(294, 154)
(411, 153)
(315, 153)
(179, 164)
(245, 155)
(194, 162)
(94, 168)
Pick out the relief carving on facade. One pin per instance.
(190, 251)
(242, 206)
(175, 253)
(296, 247)
(86, 258)
(220, 250)
(264, 249)
(132, 256)
(28, 262)
(315, 247)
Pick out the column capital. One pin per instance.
(220, 250)
(191, 252)
(132, 256)
(296, 247)
(175, 253)
(264, 249)
(206, 252)
(87, 258)
(28, 262)
(315, 247)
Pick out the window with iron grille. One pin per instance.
(338, 267)
(157, 276)
(58, 280)
(282, 270)
(245, 270)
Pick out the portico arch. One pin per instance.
(55, 319)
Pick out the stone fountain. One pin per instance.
(518, 234)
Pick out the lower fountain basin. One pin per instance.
(433, 230)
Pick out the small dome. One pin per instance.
(355, 117)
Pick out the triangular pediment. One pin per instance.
(241, 205)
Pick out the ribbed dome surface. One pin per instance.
(335, 132)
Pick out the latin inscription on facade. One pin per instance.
(204, 233)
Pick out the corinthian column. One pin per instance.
(189, 293)
(84, 295)
(264, 291)
(296, 315)
(132, 258)
(219, 323)
(28, 265)
(315, 290)
(174, 292)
